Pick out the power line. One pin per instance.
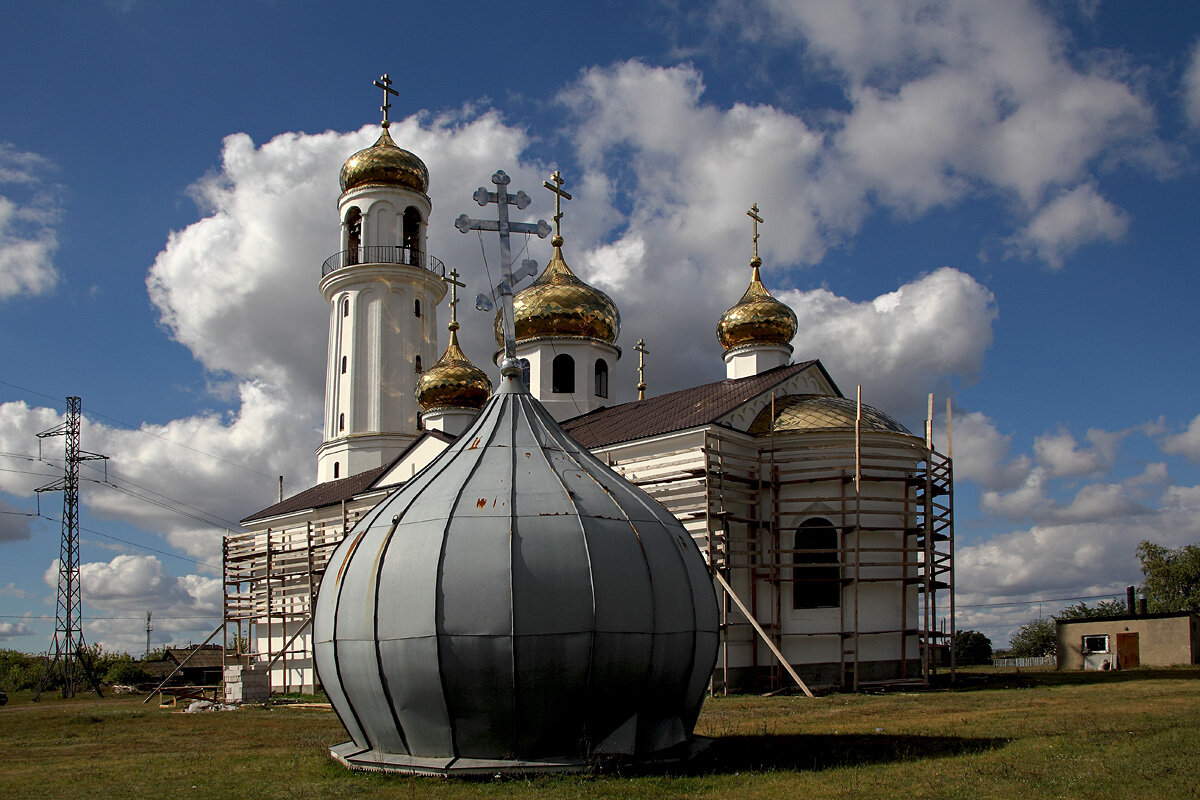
(135, 544)
(139, 429)
(1035, 602)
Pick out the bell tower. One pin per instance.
(383, 290)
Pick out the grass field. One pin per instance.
(1036, 735)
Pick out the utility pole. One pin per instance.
(148, 629)
(69, 659)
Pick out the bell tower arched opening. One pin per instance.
(411, 236)
(353, 235)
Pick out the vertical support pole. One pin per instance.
(270, 622)
(310, 649)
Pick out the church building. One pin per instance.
(826, 524)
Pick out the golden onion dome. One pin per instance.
(807, 412)
(560, 304)
(453, 381)
(384, 163)
(758, 318)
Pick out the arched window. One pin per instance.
(816, 575)
(525, 371)
(562, 374)
(343, 365)
(345, 306)
(353, 235)
(601, 378)
(411, 234)
(417, 307)
(341, 422)
(336, 469)
(417, 364)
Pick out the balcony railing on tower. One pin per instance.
(383, 254)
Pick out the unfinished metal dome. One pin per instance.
(515, 606)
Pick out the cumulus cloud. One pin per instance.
(1191, 87)
(28, 211)
(1060, 453)
(119, 592)
(928, 335)
(1186, 444)
(952, 100)
(1069, 221)
(981, 453)
(183, 481)
(11, 629)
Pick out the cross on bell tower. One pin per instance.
(385, 83)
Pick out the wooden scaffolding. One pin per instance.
(270, 581)
(736, 499)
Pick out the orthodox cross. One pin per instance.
(753, 214)
(385, 83)
(454, 282)
(642, 353)
(504, 227)
(559, 195)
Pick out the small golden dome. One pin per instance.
(758, 318)
(384, 162)
(806, 412)
(559, 304)
(453, 381)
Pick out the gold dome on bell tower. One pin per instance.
(385, 162)
(757, 318)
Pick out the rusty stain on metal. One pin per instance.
(481, 502)
(474, 444)
(346, 560)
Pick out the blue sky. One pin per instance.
(994, 202)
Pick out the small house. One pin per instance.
(1141, 640)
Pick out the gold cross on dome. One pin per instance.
(642, 352)
(753, 214)
(454, 282)
(385, 83)
(559, 196)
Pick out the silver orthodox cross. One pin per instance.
(504, 227)
(385, 83)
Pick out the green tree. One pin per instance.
(972, 647)
(1105, 608)
(1034, 638)
(1172, 577)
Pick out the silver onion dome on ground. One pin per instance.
(515, 606)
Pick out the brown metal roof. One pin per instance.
(333, 492)
(323, 494)
(676, 411)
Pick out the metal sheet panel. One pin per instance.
(414, 682)
(474, 583)
(477, 673)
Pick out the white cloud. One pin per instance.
(28, 240)
(118, 593)
(928, 335)
(12, 590)
(11, 629)
(1186, 444)
(1059, 452)
(957, 99)
(1191, 87)
(1067, 222)
(981, 453)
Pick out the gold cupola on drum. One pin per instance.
(757, 331)
(566, 332)
(452, 391)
